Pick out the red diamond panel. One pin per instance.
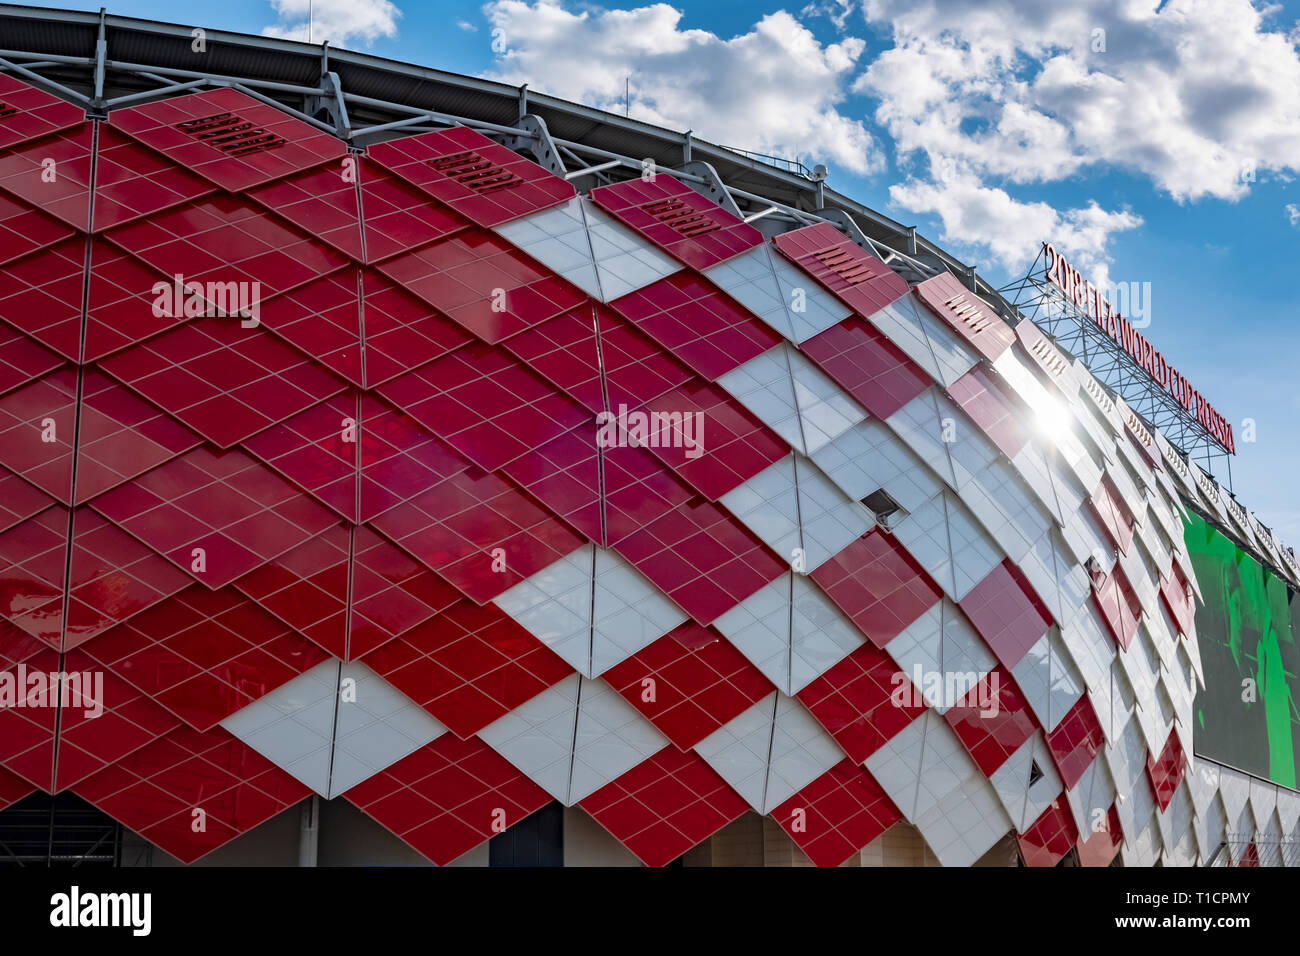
(468, 666)
(692, 549)
(1119, 605)
(482, 180)
(223, 239)
(878, 585)
(24, 229)
(564, 475)
(391, 593)
(1113, 513)
(307, 588)
(992, 720)
(42, 295)
(205, 654)
(28, 725)
(968, 315)
(448, 797)
(120, 305)
(1100, 846)
(132, 181)
(482, 282)
(1178, 599)
(12, 788)
(155, 125)
(91, 738)
(121, 437)
(665, 805)
(867, 365)
(22, 360)
(712, 441)
(321, 202)
(402, 332)
(837, 814)
(114, 577)
(698, 682)
(863, 701)
(679, 220)
(322, 319)
(858, 279)
(224, 381)
(33, 565)
(37, 429)
(66, 194)
(485, 404)
(1075, 741)
(1050, 837)
(399, 459)
(1166, 771)
(19, 501)
(454, 527)
(983, 397)
(707, 330)
(1007, 613)
(233, 508)
(317, 451)
(36, 113)
(398, 217)
(156, 791)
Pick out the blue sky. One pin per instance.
(1150, 141)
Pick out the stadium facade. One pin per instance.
(401, 467)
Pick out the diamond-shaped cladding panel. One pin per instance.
(837, 814)
(706, 330)
(24, 174)
(1050, 837)
(225, 382)
(228, 137)
(216, 516)
(867, 365)
(482, 180)
(689, 683)
(986, 400)
(161, 790)
(858, 278)
(863, 701)
(574, 738)
(204, 654)
(1076, 741)
(334, 726)
(592, 608)
(37, 428)
(992, 720)
(483, 283)
(770, 752)
(665, 805)
(35, 112)
(40, 296)
(878, 585)
(679, 220)
(448, 797)
(970, 317)
(1007, 613)
(1166, 770)
(33, 562)
(468, 666)
(692, 549)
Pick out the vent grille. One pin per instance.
(475, 172)
(6, 110)
(851, 269)
(971, 315)
(681, 218)
(1051, 360)
(231, 133)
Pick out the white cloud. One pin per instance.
(989, 220)
(775, 89)
(1200, 96)
(1293, 214)
(341, 22)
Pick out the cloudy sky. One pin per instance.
(1150, 141)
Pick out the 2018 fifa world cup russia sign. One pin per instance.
(1089, 299)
